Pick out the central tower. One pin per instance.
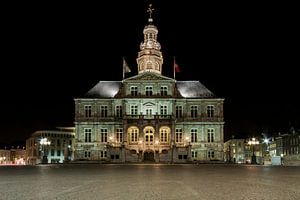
(150, 57)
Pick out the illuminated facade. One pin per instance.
(50, 146)
(149, 117)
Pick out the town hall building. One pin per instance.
(149, 117)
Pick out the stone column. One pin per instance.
(189, 152)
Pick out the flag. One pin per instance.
(126, 68)
(176, 67)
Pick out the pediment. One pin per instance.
(149, 104)
(149, 76)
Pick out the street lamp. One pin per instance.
(253, 142)
(43, 143)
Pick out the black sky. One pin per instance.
(245, 53)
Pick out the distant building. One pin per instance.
(5, 156)
(288, 147)
(14, 156)
(149, 117)
(50, 146)
(234, 151)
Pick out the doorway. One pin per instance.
(149, 156)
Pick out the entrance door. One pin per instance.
(149, 156)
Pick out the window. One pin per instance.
(103, 132)
(164, 134)
(163, 110)
(148, 111)
(119, 135)
(52, 152)
(103, 154)
(149, 131)
(133, 134)
(211, 154)
(210, 135)
(194, 154)
(103, 111)
(134, 91)
(87, 135)
(58, 142)
(194, 111)
(87, 154)
(148, 90)
(163, 91)
(193, 135)
(178, 135)
(178, 110)
(119, 112)
(88, 111)
(134, 110)
(210, 111)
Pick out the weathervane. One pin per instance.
(150, 11)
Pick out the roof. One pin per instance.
(193, 89)
(104, 89)
(149, 76)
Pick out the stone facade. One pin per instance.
(149, 117)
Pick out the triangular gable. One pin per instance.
(149, 76)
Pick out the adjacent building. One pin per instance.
(149, 117)
(51, 146)
(234, 151)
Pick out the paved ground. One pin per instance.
(149, 182)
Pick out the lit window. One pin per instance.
(164, 134)
(133, 134)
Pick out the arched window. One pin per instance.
(164, 134)
(133, 134)
(149, 134)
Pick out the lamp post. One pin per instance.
(43, 143)
(253, 142)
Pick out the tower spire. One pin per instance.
(150, 57)
(150, 11)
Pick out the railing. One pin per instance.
(96, 118)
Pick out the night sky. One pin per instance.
(245, 53)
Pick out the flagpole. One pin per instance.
(123, 68)
(174, 66)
